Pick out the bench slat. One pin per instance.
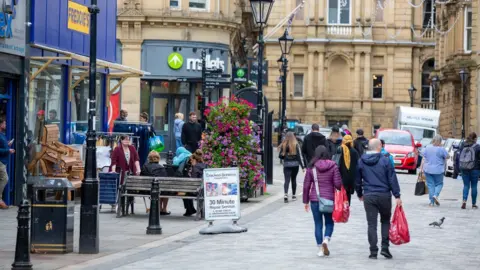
(138, 185)
(178, 190)
(178, 179)
(178, 187)
(180, 183)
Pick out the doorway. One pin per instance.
(8, 90)
(163, 110)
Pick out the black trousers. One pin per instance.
(290, 174)
(188, 204)
(378, 204)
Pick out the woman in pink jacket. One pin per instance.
(328, 177)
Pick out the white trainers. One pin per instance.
(320, 252)
(326, 252)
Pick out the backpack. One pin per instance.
(467, 158)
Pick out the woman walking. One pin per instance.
(178, 129)
(348, 165)
(292, 160)
(470, 161)
(433, 166)
(322, 176)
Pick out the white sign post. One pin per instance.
(222, 200)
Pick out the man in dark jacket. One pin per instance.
(191, 133)
(311, 142)
(361, 143)
(334, 141)
(376, 182)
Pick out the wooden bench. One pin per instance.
(170, 187)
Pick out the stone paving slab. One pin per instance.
(284, 239)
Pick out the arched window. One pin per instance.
(427, 89)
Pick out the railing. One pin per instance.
(339, 30)
(427, 105)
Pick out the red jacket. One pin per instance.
(119, 160)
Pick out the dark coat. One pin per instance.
(348, 175)
(289, 157)
(333, 146)
(310, 143)
(360, 145)
(197, 170)
(376, 175)
(153, 169)
(191, 136)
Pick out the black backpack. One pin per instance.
(467, 158)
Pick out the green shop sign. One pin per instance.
(175, 60)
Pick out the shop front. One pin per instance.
(175, 81)
(57, 92)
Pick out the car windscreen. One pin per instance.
(395, 138)
(420, 133)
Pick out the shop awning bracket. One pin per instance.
(49, 59)
(42, 68)
(76, 83)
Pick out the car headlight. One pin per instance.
(411, 154)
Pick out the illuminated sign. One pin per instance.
(78, 18)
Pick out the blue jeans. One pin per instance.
(178, 141)
(470, 178)
(434, 184)
(318, 218)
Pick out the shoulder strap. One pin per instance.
(315, 179)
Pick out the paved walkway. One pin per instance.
(281, 237)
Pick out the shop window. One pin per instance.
(168, 87)
(339, 11)
(198, 4)
(297, 85)
(377, 86)
(467, 35)
(174, 3)
(79, 103)
(45, 99)
(427, 89)
(145, 97)
(428, 14)
(379, 10)
(300, 15)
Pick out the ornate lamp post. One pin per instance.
(261, 11)
(436, 88)
(279, 87)
(412, 91)
(464, 78)
(285, 42)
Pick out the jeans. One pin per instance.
(3, 179)
(434, 184)
(375, 204)
(470, 178)
(290, 173)
(318, 218)
(178, 141)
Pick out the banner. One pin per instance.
(222, 193)
(78, 18)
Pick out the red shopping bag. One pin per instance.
(399, 233)
(341, 211)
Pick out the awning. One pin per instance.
(115, 71)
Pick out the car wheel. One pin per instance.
(412, 171)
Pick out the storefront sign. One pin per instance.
(196, 63)
(240, 75)
(78, 18)
(222, 193)
(12, 27)
(175, 60)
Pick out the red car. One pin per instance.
(401, 145)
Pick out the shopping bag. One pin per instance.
(420, 187)
(399, 233)
(156, 143)
(341, 212)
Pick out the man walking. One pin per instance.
(334, 141)
(311, 142)
(361, 143)
(376, 182)
(5, 152)
(191, 133)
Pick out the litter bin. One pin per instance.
(53, 208)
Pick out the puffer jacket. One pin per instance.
(328, 177)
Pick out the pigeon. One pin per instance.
(437, 223)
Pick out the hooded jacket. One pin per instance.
(333, 146)
(360, 144)
(310, 143)
(178, 125)
(328, 177)
(376, 175)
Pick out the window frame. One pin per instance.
(338, 13)
(207, 7)
(432, 13)
(303, 85)
(179, 5)
(373, 86)
(465, 30)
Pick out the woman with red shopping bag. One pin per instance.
(321, 180)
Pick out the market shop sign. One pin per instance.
(175, 60)
(78, 18)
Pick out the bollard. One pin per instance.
(22, 248)
(154, 215)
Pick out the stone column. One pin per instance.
(311, 67)
(131, 56)
(367, 89)
(356, 85)
(320, 94)
(358, 7)
(416, 74)
(390, 75)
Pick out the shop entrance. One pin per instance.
(164, 107)
(8, 90)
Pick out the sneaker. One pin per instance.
(474, 206)
(320, 252)
(3, 205)
(326, 252)
(435, 199)
(373, 256)
(464, 205)
(285, 198)
(386, 253)
(294, 198)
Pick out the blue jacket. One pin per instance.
(385, 153)
(4, 149)
(376, 175)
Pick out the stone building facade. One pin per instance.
(456, 50)
(352, 62)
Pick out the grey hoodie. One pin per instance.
(178, 128)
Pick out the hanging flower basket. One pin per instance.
(231, 141)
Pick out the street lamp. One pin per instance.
(280, 64)
(412, 91)
(463, 77)
(435, 86)
(279, 87)
(261, 11)
(285, 42)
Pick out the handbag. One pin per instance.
(421, 187)
(324, 205)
